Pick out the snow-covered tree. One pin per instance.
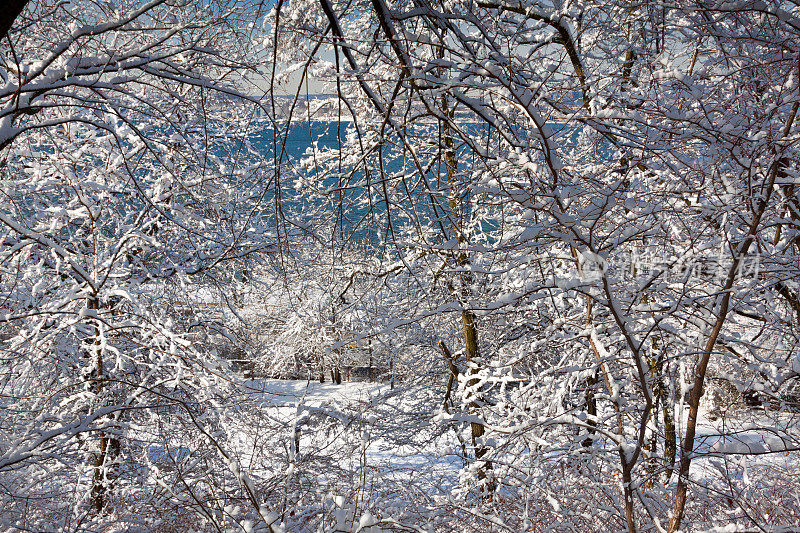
(130, 197)
(611, 186)
(571, 227)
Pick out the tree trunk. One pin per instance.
(670, 439)
(722, 304)
(371, 371)
(469, 328)
(109, 445)
(591, 409)
(477, 428)
(627, 492)
(661, 393)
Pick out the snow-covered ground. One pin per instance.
(358, 448)
(373, 455)
(370, 410)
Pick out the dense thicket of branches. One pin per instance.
(124, 195)
(606, 192)
(566, 233)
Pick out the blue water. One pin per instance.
(385, 193)
(372, 200)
